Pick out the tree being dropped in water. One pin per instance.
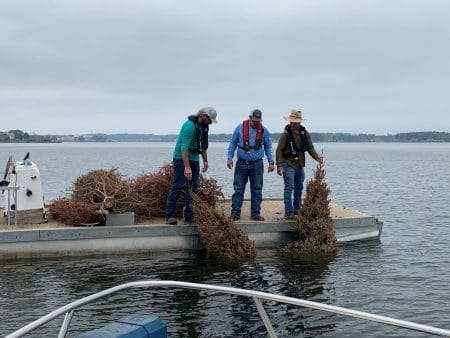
(315, 231)
(221, 237)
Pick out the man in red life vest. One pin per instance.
(251, 140)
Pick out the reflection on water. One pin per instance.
(188, 313)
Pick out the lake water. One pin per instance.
(406, 275)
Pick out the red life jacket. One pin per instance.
(246, 136)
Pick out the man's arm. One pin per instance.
(187, 134)
(268, 150)
(232, 147)
(187, 166)
(311, 149)
(205, 160)
(279, 153)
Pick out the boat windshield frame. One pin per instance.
(69, 309)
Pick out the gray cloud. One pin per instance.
(142, 66)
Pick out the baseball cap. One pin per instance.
(210, 112)
(256, 115)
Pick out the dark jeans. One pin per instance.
(293, 183)
(180, 182)
(244, 171)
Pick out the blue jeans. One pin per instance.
(293, 183)
(180, 182)
(243, 172)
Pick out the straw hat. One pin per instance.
(295, 116)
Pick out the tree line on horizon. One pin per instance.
(424, 136)
(432, 136)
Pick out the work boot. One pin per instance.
(257, 218)
(171, 221)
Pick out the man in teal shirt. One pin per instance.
(192, 141)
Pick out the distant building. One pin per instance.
(67, 138)
(6, 137)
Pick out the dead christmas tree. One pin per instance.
(314, 226)
(106, 189)
(221, 237)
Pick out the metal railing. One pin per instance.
(69, 309)
(8, 209)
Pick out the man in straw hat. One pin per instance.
(192, 141)
(290, 160)
(252, 141)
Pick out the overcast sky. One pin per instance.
(142, 66)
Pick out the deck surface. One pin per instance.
(271, 209)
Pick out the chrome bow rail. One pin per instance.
(69, 309)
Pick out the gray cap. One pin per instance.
(210, 112)
(256, 115)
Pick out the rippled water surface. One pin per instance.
(405, 276)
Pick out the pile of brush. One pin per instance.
(314, 226)
(220, 236)
(150, 191)
(102, 191)
(75, 212)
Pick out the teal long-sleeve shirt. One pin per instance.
(186, 139)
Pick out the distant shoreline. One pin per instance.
(17, 136)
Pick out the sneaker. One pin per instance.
(235, 218)
(257, 218)
(289, 217)
(189, 221)
(171, 221)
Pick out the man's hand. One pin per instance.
(270, 168)
(230, 164)
(188, 173)
(280, 170)
(205, 167)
